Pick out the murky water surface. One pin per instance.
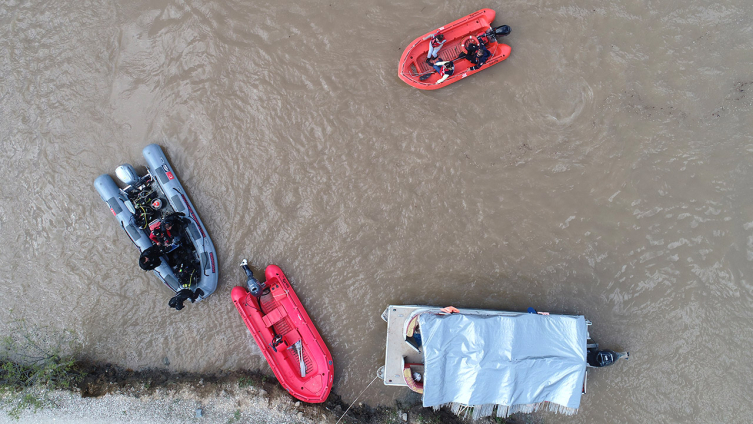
(604, 169)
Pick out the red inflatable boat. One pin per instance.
(414, 70)
(285, 334)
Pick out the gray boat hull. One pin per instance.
(164, 178)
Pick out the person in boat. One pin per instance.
(175, 223)
(176, 302)
(435, 43)
(444, 69)
(168, 231)
(150, 258)
(468, 48)
(483, 39)
(157, 234)
(480, 57)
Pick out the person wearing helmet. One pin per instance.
(444, 69)
(468, 47)
(174, 225)
(435, 43)
(157, 233)
(479, 58)
(150, 258)
(166, 232)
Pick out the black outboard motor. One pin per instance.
(254, 286)
(604, 358)
(492, 34)
(502, 30)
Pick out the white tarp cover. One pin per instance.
(504, 359)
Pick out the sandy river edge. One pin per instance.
(111, 394)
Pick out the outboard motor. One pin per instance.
(254, 286)
(127, 174)
(501, 31)
(604, 358)
(493, 33)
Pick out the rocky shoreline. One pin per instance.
(107, 393)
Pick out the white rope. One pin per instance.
(359, 395)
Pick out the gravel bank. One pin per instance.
(108, 394)
(167, 406)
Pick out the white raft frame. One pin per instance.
(399, 352)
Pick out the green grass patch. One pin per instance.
(33, 360)
(244, 382)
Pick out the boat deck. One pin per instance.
(397, 348)
(448, 52)
(398, 351)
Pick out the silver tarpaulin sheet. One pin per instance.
(504, 359)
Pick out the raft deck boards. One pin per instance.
(446, 53)
(397, 348)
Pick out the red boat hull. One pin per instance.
(413, 62)
(280, 312)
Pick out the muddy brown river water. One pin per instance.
(604, 169)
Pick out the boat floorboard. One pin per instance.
(397, 348)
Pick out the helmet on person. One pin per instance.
(144, 262)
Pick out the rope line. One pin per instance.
(359, 395)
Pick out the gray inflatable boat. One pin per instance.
(149, 199)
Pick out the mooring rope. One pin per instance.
(359, 395)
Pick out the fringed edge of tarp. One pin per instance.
(503, 411)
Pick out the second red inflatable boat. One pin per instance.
(416, 72)
(285, 334)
